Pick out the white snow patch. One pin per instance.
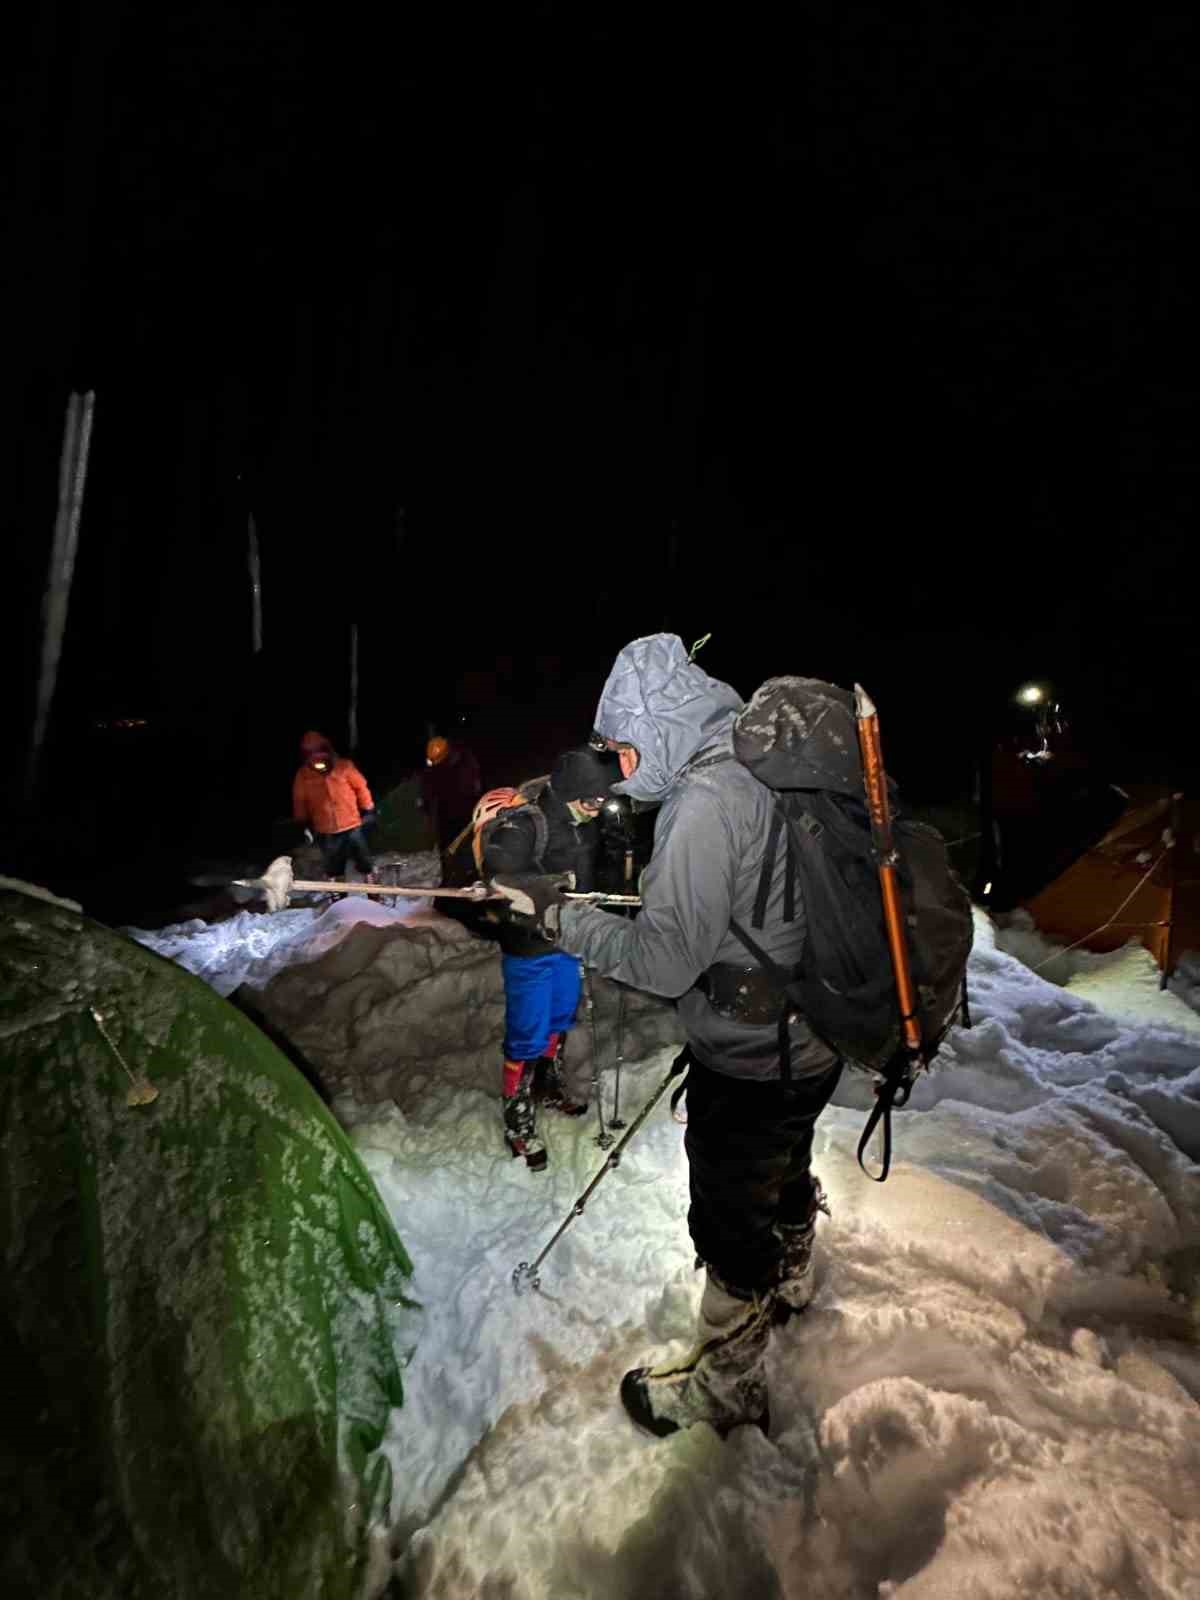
(252, 947)
(1125, 982)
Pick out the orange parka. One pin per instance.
(329, 802)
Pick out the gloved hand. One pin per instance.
(367, 819)
(536, 895)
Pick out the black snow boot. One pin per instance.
(797, 1269)
(520, 1125)
(722, 1379)
(548, 1087)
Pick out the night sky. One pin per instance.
(866, 342)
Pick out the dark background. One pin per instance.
(865, 341)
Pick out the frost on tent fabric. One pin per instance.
(203, 1293)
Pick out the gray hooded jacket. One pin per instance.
(710, 838)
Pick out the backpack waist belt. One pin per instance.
(741, 993)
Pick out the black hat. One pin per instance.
(583, 775)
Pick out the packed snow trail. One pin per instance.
(995, 1386)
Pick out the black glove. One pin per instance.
(367, 819)
(538, 896)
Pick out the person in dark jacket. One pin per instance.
(449, 787)
(555, 833)
(754, 1199)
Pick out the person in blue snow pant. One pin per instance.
(541, 997)
(554, 832)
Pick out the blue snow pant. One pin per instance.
(749, 1143)
(541, 997)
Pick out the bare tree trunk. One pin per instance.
(255, 565)
(72, 476)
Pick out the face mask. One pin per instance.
(577, 810)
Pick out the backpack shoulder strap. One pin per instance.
(788, 810)
(541, 834)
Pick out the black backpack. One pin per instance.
(799, 736)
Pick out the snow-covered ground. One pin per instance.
(1124, 982)
(994, 1393)
(252, 947)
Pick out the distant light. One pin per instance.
(987, 888)
(612, 805)
(1032, 694)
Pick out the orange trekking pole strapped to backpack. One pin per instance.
(912, 1054)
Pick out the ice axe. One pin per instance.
(279, 881)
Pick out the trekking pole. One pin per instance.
(616, 1119)
(603, 1138)
(527, 1271)
(901, 1071)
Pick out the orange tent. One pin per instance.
(1141, 880)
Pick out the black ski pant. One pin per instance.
(749, 1144)
(339, 848)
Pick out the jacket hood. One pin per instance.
(666, 707)
(313, 744)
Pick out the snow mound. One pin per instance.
(252, 946)
(1185, 981)
(1124, 982)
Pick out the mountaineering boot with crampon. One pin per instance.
(797, 1268)
(520, 1120)
(549, 1089)
(721, 1380)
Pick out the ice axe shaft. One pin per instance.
(909, 1058)
(277, 883)
(474, 891)
(336, 886)
(875, 783)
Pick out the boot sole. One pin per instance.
(536, 1162)
(633, 1398)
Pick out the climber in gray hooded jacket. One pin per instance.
(754, 1200)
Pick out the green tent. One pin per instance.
(201, 1295)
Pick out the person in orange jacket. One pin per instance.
(330, 796)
